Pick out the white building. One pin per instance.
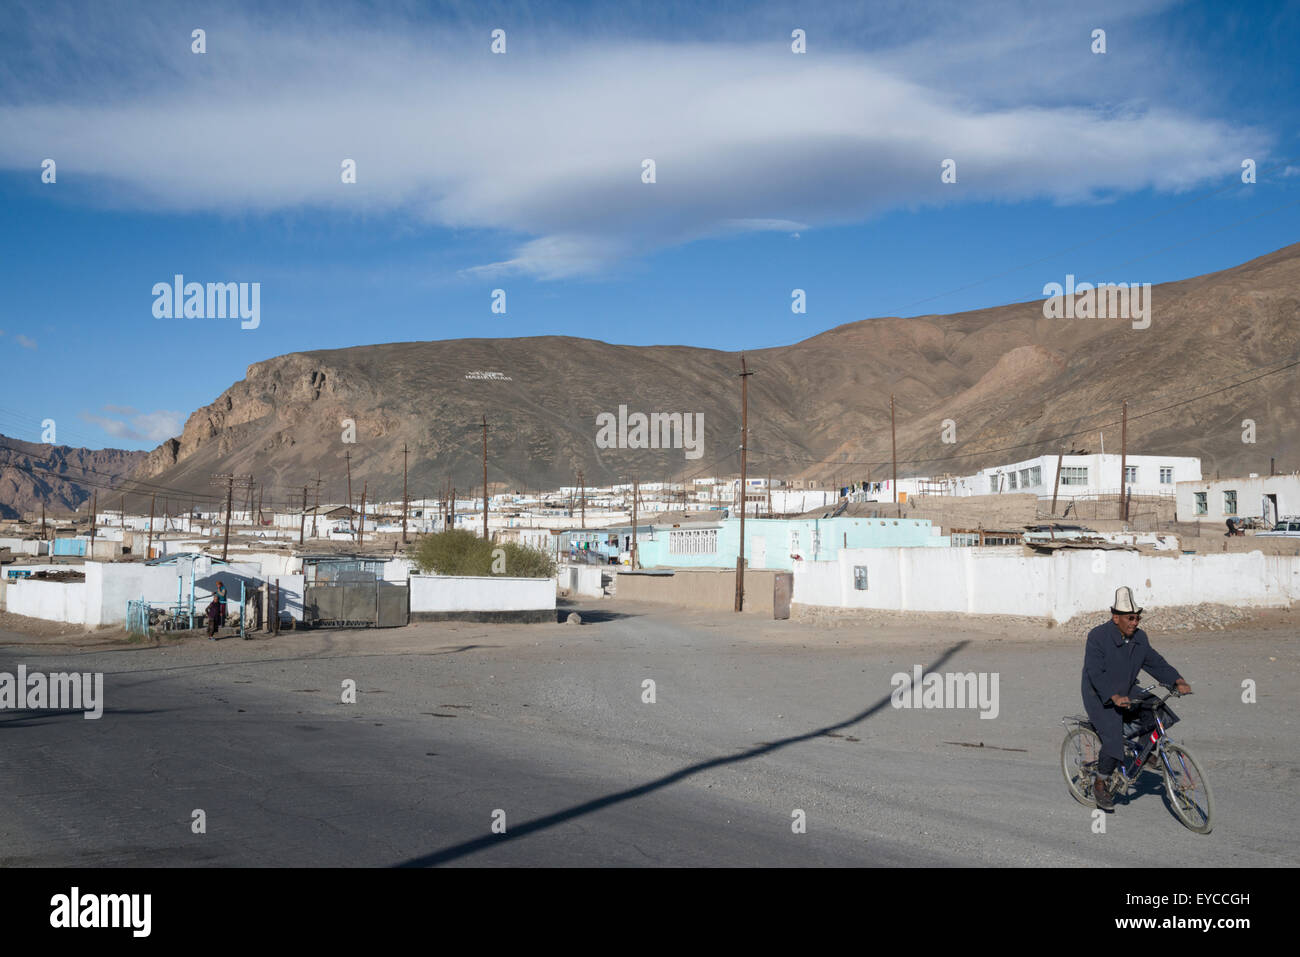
(1082, 476)
(1268, 497)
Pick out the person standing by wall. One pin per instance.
(221, 602)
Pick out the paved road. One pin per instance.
(752, 720)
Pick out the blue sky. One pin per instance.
(522, 171)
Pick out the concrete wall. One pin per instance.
(432, 594)
(109, 586)
(291, 589)
(25, 546)
(1250, 497)
(771, 543)
(582, 580)
(53, 601)
(700, 588)
(990, 581)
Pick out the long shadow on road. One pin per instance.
(466, 848)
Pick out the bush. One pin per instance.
(461, 552)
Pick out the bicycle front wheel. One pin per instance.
(1188, 790)
(1080, 752)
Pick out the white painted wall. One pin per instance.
(1250, 497)
(582, 580)
(991, 581)
(53, 601)
(437, 593)
(110, 585)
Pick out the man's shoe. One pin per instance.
(1101, 795)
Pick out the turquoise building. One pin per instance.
(777, 542)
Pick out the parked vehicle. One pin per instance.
(1285, 528)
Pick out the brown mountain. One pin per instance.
(1014, 383)
(62, 477)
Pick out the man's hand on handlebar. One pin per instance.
(1182, 687)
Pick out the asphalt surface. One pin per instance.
(752, 720)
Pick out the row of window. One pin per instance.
(693, 541)
(1070, 475)
(1229, 502)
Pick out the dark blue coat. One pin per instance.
(1110, 667)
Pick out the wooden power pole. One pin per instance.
(582, 498)
(893, 446)
(302, 521)
(148, 545)
(405, 453)
(349, 460)
(485, 485)
(94, 511)
(635, 490)
(1056, 486)
(744, 463)
(361, 540)
(1123, 463)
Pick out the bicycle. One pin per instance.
(1185, 785)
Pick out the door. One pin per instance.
(783, 588)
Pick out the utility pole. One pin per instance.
(94, 509)
(405, 453)
(316, 510)
(1056, 487)
(148, 545)
(893, 445)
(361, 541)
(230, 492)
(123, 522)
(582, 498)
(261, 487)
(744, 462)
(349, 458)
(227, 479)
(485, 486)
(42, 518)
(302, 523)
(635, 490)
(769, 493)
(452, 500)
(1123, 463)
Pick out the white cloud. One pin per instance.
(546, 145)
(24, 341)
(141, 426)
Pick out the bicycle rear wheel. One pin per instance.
(1188, 790)
(1080, 752)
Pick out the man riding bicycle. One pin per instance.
(1115, 653)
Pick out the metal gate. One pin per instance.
(357, 604)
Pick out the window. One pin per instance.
(1074, 476)
(1166, 475)
(1131, 474)
(1230, 503)
(860, 577)
(1011, 480)
(1202, 506)
(964, 539)
(794, 541)
(695, 541)
(993, 483)
(1036, 475)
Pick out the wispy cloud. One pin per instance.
(545, 144)
(140, 427)
(23, 341)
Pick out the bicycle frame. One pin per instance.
(1156, 740)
